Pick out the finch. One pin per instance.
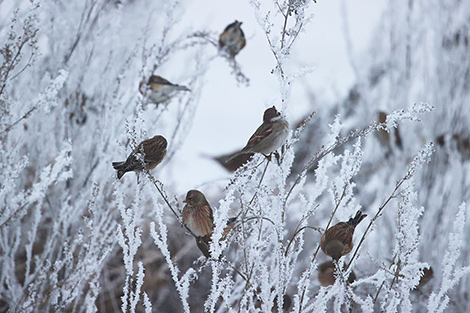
(232, 39)
(336, 241)
(269, 137)
(159, 89)
(198, 219)
(148, 154)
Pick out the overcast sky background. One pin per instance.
(322, 46)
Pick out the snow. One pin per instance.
(75, 238)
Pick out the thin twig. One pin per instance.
(393, 195)
(259, 184)
(284, 28)
(19, 120)
(381, 285)
(318, 248)
(325, 151)
(236, 270)
(155, 183)
(297, 232)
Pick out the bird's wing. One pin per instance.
(260, 134)
(203, 243)
(155, 157)
(222, 39)
(135, 165)
(153, 148)
(154, 79)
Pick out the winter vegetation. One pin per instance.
(74, 238)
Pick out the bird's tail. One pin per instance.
(120, 167)
(233, 156)
(354, 221)
(203, 243)
(179, 87)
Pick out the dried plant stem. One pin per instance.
(19, 120)
(155, 183)
(298, 229)
(284, 28)
(376, 216)
(318, 247)
(236, 270)
(325, 151)
(381, 285)
(260, 182)
(298, 232)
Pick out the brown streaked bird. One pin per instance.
(269, 137)
(337, 240)
(148, 154)
(326, 274)
(198, 219)
(159, 89)
(384, 136)
(232, 39)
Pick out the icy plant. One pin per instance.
(440, 300)
(73, 238)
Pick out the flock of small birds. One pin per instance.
(197, 215)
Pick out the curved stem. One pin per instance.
(259, 184)
(322, 153)
(318, 247)
(296, 233)
(376, 216)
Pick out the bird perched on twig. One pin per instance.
(232, 39)
(198, 219)
(159, 89)
(336, 241)
(148, 154)
(269, 137)
(326, 274)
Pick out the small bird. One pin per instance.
(326, 274)
(148, 154)
(159, 89)
(336, 241)
(269, 137)
(198, 219)
(384, 136)
(232, 39)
